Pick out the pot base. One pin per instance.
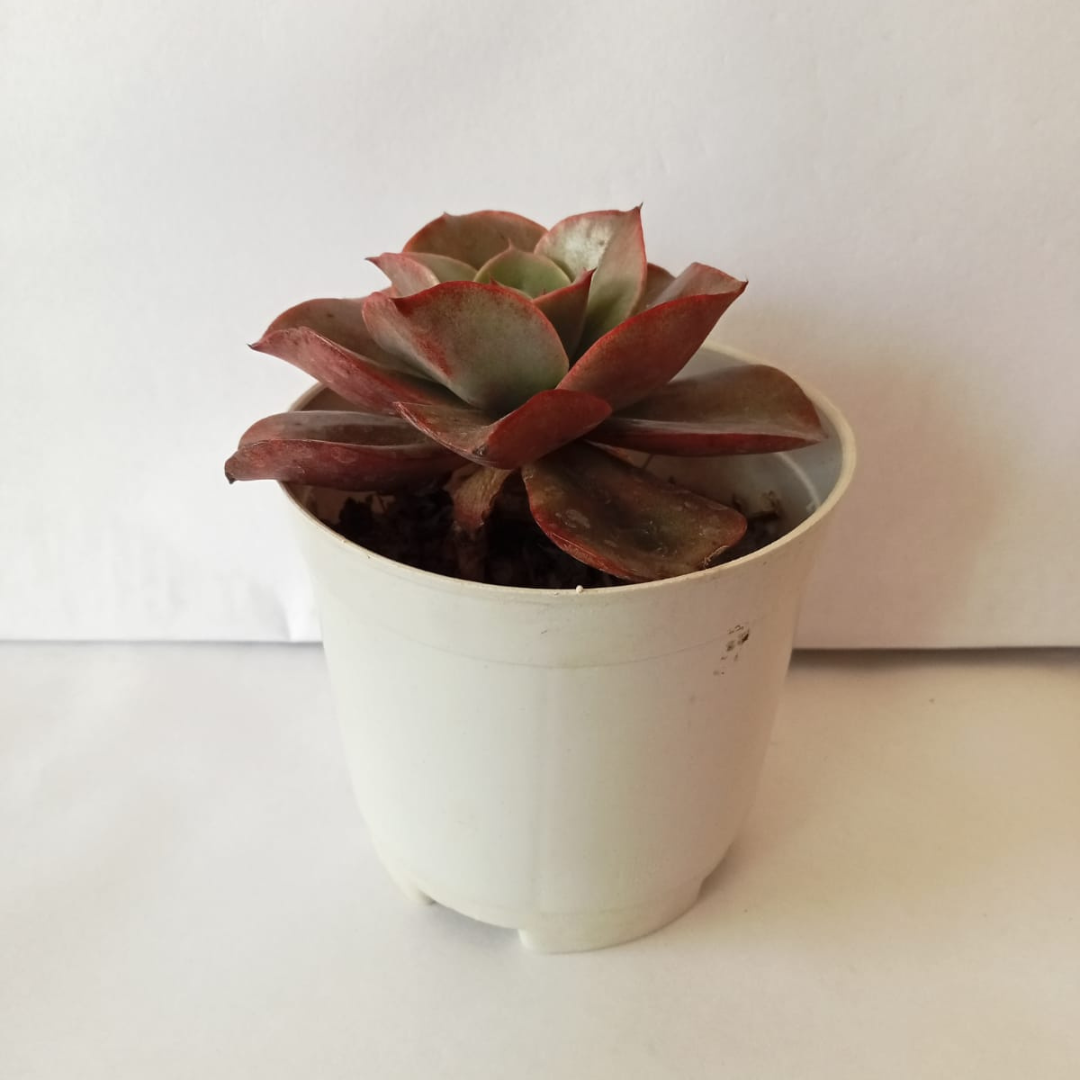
(556, 932)
(574, 932)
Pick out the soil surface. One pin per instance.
(417, 528)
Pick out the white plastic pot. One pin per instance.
(572, 765)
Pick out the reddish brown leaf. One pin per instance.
(491, 346)
(619, 519)
(444, 268)
(474, 496)
(350, 451)
(475, 238)
(697, 280)
(340, 425)
(565, 309)
(657, 279)
(354, 377)
(407, 275)
(340, 321)
(611, 243)
(545, 422)
(751, 409)
(646, 351)
(410, 274)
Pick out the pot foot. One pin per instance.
(598, 930)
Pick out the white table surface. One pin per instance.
(186, 890)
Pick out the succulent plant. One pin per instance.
(502, 347)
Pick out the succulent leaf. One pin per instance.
(649, 349)
(492, 347)
(340, 321)
(350, 451)
(338, 425)
(410, 274)
(742, 410)
(474, 496)
(503, 346)
(475, 238)
(445, 268)
(565, 310)
(611, 243)
(407, 275)
(373, 387)
(618, 518)
(699, 280)
(525, 271)
(548, 420)
(657, 279)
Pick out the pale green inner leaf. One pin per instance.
(534, 275)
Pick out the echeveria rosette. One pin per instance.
(504, 348)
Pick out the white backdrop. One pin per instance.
(898, 181)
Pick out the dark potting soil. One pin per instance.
(417, 528)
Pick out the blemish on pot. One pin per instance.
(740, 635)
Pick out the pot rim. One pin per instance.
(845, 438)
